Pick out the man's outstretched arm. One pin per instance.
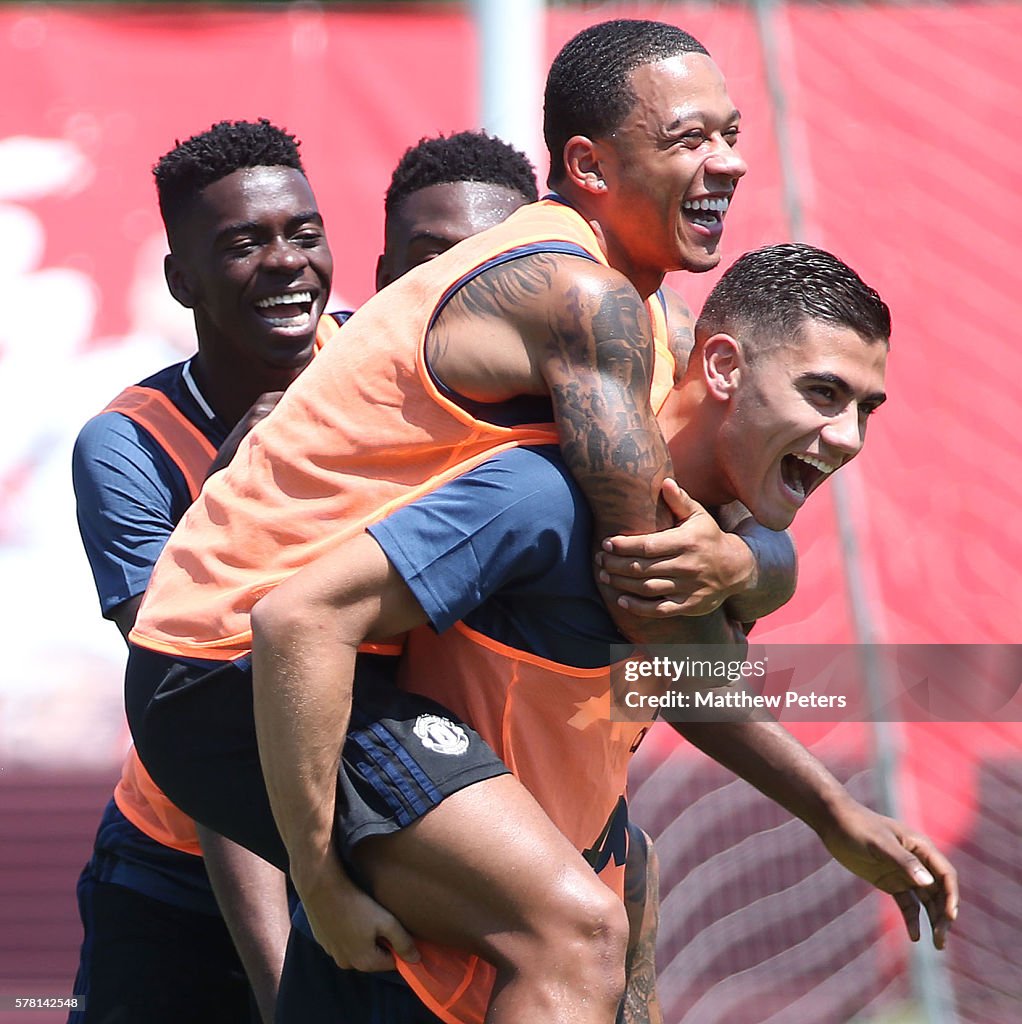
(880, 850)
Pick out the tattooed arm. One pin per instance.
(597, 360)
(642, 902)
(578, 331)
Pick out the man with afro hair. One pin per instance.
(156, 946)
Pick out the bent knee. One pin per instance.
(598, 916)
(575, 954)
(578, 916)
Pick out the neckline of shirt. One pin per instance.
(193, 388)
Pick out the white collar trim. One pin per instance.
(194, 389)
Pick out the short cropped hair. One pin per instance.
(465, 156)
(767, 296)
(588, 91)
(226, 147)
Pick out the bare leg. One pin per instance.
(487, 872)
(252, 896)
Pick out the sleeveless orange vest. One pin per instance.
(139, 799)
(363, 431)
(551, 726)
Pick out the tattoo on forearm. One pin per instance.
(637, 882)
(640, 1004)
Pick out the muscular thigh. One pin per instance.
(485, 862)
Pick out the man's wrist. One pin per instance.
(744, 562)
(827, 810)
(311, 856)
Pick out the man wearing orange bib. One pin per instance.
(155, 946)
(490, 573)
(546, 328)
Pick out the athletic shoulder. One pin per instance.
(120, 473)
(107, 433)
(544, 286)
(127, 502)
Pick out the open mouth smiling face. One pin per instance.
(254, 265)
(672, 165)
(799, 415)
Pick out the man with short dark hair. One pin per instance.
(490, 573)
(255, 270)
(446, 189)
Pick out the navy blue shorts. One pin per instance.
(314, 990)
(145, 961)
(194, 731)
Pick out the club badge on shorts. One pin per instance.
(440, 734)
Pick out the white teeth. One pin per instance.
(284, 300)
(717, 205)
(301, 320)
(819, 464)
